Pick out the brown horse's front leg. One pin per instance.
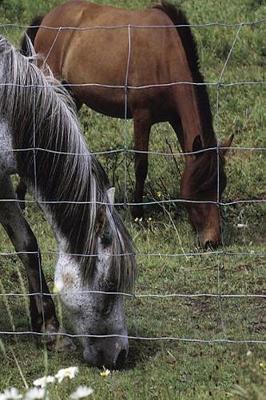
(142, 126)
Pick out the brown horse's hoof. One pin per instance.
(50, 336)
(137, 211)
(60, 343)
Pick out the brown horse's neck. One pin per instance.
(193, 115)
(187, 109)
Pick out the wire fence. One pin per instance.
(125, 150)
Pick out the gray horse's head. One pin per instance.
(95, 306)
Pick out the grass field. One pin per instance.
(177, 368)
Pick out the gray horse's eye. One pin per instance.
(106, 239)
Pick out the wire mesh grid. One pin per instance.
(125, 150)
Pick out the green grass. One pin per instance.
(171, 369)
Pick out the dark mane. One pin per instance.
(178, 18)
(30, 33)
(204, 178)
(53, 158)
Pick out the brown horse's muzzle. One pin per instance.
(208, 243)
(206, 221)
(210, 238)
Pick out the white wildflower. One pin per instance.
(81, 393)
(36, 393)
(242, 225)
(10, 394)
(106, 372)
(42, 382)
(63, 373)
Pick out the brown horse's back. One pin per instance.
(120, 49)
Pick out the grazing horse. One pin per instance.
(41, 140)
(141, 65)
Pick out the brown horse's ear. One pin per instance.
(197, 145)
(225, 145)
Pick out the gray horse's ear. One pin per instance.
(226, 144)
(101, 212)
(111, 195)
(197, 145)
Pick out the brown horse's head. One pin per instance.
(199, 184)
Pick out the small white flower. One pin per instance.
(36, 393)
(81, 393)
(106, 372)
(42, 382)
(11, 394)
(242, 225)
(70, 373)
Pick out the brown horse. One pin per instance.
(140, 65)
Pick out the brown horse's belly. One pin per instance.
(110, 102)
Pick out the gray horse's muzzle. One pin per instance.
(110, 352)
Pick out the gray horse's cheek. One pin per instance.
(85, 313)
(78, 305)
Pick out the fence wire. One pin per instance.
(125, 150)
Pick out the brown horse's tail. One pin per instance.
(30, 33)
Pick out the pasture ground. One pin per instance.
(173, 369)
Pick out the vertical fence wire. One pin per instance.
(219, 254)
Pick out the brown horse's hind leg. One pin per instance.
(41, 304)
(142, 126)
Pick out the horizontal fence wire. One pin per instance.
(125, 26)
(219, 254)
(143, 338)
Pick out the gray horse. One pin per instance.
(40, 139)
